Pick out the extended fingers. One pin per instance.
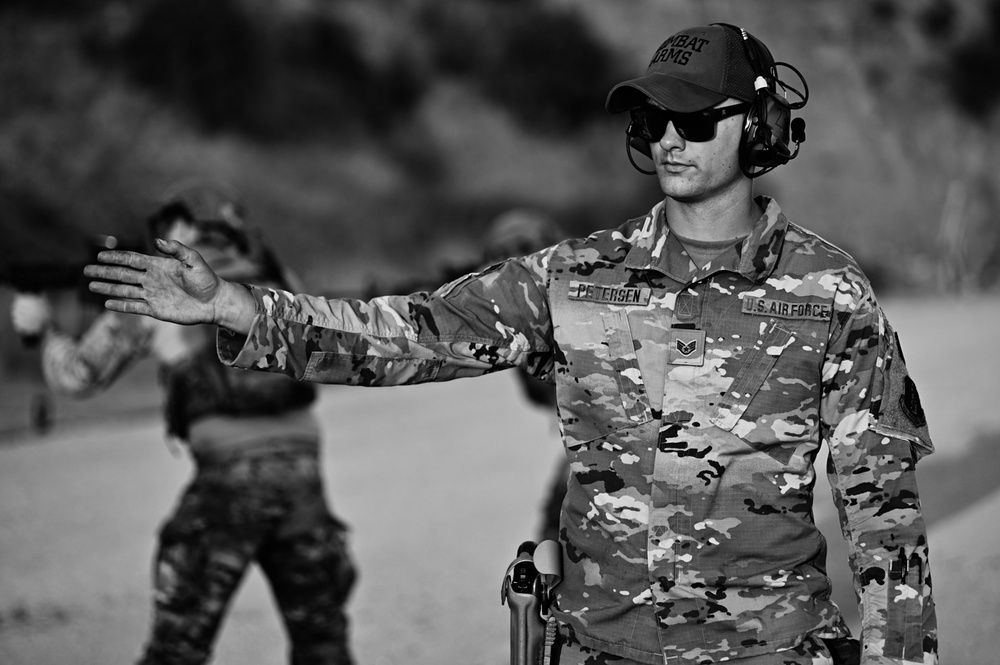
(113, 273)
(129, 306)
(123, 258)
(126, 291)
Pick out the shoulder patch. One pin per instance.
(909, 403)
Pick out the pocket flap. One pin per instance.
(757, 364)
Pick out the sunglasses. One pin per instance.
(650, 123)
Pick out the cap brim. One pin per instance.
(669, 92)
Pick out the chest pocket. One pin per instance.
(599, 389)
(757, 364)
(772, 402)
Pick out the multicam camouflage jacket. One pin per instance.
(692, 403)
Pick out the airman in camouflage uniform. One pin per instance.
(257, 491)
(697, 377)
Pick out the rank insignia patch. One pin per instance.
(687, 347)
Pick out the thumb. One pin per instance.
(174, 248)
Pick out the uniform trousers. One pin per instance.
(812, 651)
(267, 509)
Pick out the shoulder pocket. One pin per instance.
(898, 412)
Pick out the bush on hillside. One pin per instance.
(321, 83)
(267, 76)
(204, 57)
(914, 43)
(544, 65)
(937, 20)
(552, 72)
(52, 7)
(973, 69)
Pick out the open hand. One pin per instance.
(179, 287)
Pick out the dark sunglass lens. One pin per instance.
(658, 124)
(650, 123)
(695, 127)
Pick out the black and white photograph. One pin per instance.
(540, 332)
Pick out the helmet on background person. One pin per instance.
(218, 211)
(517, 232)
(215, 208)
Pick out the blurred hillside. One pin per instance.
(375, 140)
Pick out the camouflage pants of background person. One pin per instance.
(267, 509)
(568, 651)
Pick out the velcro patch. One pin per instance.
(909, 402)
(815, 311)
(687, 347)
(612, 295)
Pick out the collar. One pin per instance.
(655, 248)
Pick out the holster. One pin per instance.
(528, 591)
(845, 650)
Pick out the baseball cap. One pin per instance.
(693, 70)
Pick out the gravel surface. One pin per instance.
(440, 484)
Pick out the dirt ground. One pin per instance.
(439, 484)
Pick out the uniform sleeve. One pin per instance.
(90, 364)
(483, 322)
(876, 431)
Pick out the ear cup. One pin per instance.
(765, 135)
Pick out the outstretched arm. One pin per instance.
(179, 287)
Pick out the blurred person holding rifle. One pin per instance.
(702, 353)
(257, 492)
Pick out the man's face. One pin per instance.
(693, 171)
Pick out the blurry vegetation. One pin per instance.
(965, 61)
(544, 65)
(328, 113)
(934, 67)
(257, 71)
(279, 75)
(973, 67)
(382, 135)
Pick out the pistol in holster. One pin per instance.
(528, 592)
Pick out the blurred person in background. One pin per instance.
(515, 232)
(702, 354)
(518, 232)
(257, 492)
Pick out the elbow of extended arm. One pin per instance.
(63, 370)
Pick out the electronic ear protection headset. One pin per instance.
(769, 129)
